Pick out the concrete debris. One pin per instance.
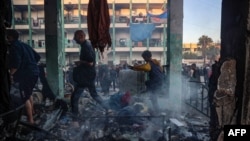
(51, 119)
(133, 122)
(176, 122)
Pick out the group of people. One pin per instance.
(24, 69)
(194, 72)
(107, 77)
(87, 61)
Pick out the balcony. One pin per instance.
(23, 24)
(41, 2)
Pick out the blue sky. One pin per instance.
(201, 17)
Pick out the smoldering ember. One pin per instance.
(134, 120)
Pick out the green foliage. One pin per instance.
(212, 52)
(205, 40)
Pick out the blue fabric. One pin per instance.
(158, 19)
(115, 101)
(127, 116)
(162, 15)
(141, 31)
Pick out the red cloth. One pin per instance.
(98, 21)
(126, 98)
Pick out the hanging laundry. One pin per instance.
(141, 31)
(98, 20)
(158, 18)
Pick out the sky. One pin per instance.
(201, 17)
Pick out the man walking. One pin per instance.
(85, 73)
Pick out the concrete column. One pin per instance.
(174, 53)
(55, 54)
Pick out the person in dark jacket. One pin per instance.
(155, 76)
(194, 81)
(46, 90)
(23, 69)
(85, 76)
(113, 76)
(105, 80)
(212, 85)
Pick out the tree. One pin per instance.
(204, 41)
(212, 52)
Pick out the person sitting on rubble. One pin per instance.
(155, 75)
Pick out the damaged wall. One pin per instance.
(232, 101)
(246, 93)
(235, 28)
(233, 42)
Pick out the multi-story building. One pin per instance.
(192, 48)
(29, 20)
(197, 48)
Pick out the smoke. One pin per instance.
(138, 120)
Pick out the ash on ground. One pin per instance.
(136, 121)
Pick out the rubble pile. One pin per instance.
(133, 122)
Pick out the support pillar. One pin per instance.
(55, 51)
(174, 53)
